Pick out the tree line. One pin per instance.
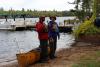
(84, 8)
(33, 13)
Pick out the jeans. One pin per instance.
(44, 49)
(53, 47)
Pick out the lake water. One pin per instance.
(11, 42)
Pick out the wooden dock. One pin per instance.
(19, 26)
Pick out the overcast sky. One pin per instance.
(59, 5)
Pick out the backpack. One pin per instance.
(55, 27)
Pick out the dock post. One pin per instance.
(6, 17)
(14, 18)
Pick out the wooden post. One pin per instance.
(14, 17)
(6, 17)
(24, 18)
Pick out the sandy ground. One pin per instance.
(66, 57)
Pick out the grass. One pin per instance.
(89, 60)
(89, 63)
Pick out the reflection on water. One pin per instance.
(11, 42)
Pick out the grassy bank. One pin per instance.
(90, 60)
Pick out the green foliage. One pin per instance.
(98, 7)
(98, 54)
(82, 28)
(87, 28)
(80, 14)
(83, 8)
(68, 13)
(34, 13)
(92, 30)
(87, 63)
(89, 60)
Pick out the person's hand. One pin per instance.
(51, 40)
(45, 28)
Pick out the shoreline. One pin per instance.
(13, 63)
(66, 56)
(69, 56)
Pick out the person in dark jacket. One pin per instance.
(41, 28)
(53, 32)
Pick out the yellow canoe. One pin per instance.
(28, 58)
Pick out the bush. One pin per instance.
(86, 28)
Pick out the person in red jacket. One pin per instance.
(41, 28)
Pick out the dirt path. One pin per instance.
(67, 57)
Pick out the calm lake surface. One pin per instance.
(11, 42)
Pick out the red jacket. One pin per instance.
(40, 29)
